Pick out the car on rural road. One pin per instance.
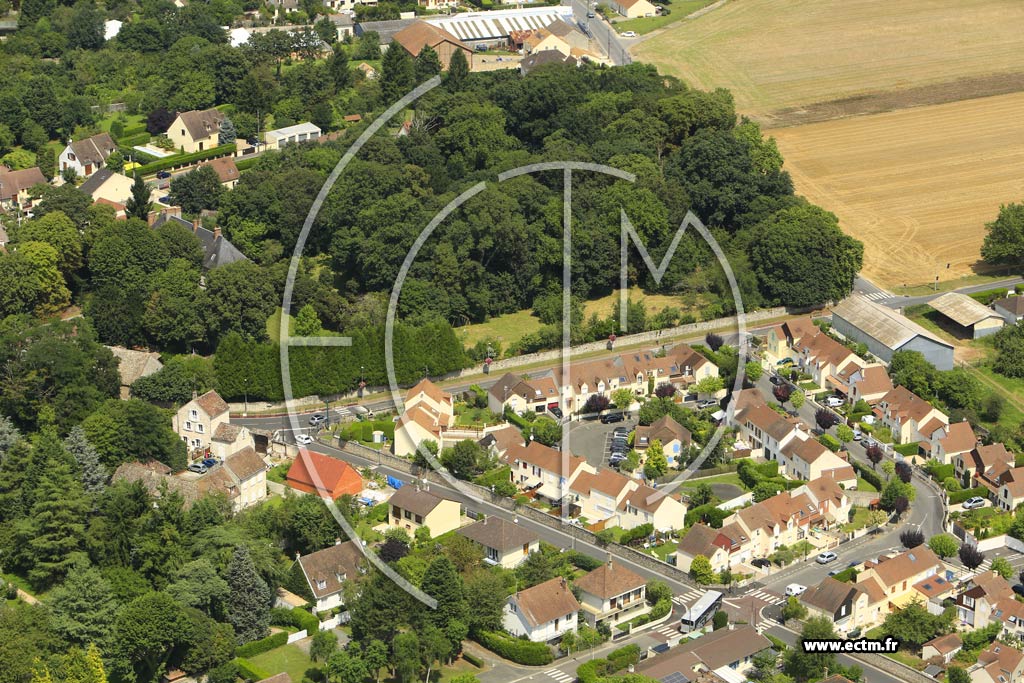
(826, 557)
(972, 503)
(303, 439)
(795, 589)
(628, 34)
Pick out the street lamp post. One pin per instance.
(245, 391)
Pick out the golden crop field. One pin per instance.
(779, 57)
(917, 185)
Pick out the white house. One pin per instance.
(612, 593)
(542, 613)
(87, 156)
(503, 542)
(327, 570)
(300, 132)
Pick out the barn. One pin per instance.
(971, 316)
(886, 331)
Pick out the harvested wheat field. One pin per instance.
(916, 186)
(780, 57)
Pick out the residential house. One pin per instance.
(976, 606)
(299, 133)
(934, 590)
(612, 593)
(976, 318)
(844, 604)
(107, 187)
(714, 544)
(504, 543)
(522, 394)
(323, 475)
(982, 466)
(599, 494)
(543, 613)
(428, 413)
(226, 170)
(87, 156)
(248, 478)
(572, 36)
(326, 572)
(728, 652)
(545, 471)
(420, 34)
(892, 579)
(943, 648)
(632, 9)
(1011, 308)
(133, 365)
(674, 438)
(886, 331)
(196, 421)
(228, 439)
(760, 428)
(998, 663)
(780, 339)
(499, 441)
(1011, 489)
(413, 508)
(542, 40)
(195, 131)
(957, 439)
(217, 249)
(869, 384)
(15, 186)
(808, 459)
(910, 417)
(823, 358)
(645, 505)
(538, 59)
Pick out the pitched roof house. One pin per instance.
(133, 365)
(226, 170)
(195, 131)
(893, 579)
(612, 592)
(428, 413)
(327, 570)
(504, 542)
(217, 249)
(983, 465)
(542, 613)
(998, 663)
(87, 156)
(1011, 308)
(675, 439)
(15, 186)
(412, 508)
(844, 604)
(957, 439)
(714, 544)
(729, 651)
(910, 417)
(323, 475)
(942, 648)
(420, 34)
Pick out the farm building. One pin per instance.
(421, 34)
(979, 320)
(885, 332)
(493, 28)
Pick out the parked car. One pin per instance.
(776, 380)
(833, 572)
(826, 557)
(166, 199)
(210, 463)
(317, 419)
(761, 562)
(706, 403)
(1018, 588)
(976, 502)
(556, 411)
(616, 459)
(612, 417)
(785, 361)
(163, 174)
(590, 15)
(303, 439)
(857, 435)
(621, 431)
(628, 34)
(833, 401)
(197, 467)
(795, 589)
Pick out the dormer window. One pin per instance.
(321, 584)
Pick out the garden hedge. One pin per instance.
(250, 671)
(868, 475)
(186, 159)
(258, 647)
(583, 561)
(830, 442)
(516, 650)
(473, 659)
(960, 496)
(297, 618)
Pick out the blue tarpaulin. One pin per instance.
(395, 483)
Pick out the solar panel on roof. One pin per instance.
(675, 677)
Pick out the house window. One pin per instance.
(182, 132)
(492, 554)
(419, 519)
(199, 427)
(188, 426)
(408, 515)
(321, 584)
(194, 414)
(397, 512)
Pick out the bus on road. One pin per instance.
(701, 612)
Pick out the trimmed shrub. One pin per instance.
(939, 472)
(636, 533)
(960, 496)
(951, 484)
(582, 561)
(250, 671)
(473, 659)
(514, 649)
(258, 647)
(830, 442)
(296, 618)
(868, 475)
(185, 159)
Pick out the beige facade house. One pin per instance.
(957, 439)
(195, 131)
(326, 572)
(105, 186)
(943, 648)
(198, 420)
(633, 9)
(226, 170)
(412, 508)
(229, 439)
(429, 411)
(893, 579)
(542, 469)
(504, 543)
(976, 606)
(543, 613)
(713, 544)
(844, 604)
(869, 384)
(15, 186)
(808, 459)
(982, 465)
(910, 417)
(674, 438)
(645, 505)
(1011, 489)
(998, 663)
(543, 40)
(248, 478)
(612, 593)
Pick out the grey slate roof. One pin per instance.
(95, 181)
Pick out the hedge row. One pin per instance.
(636, 533)
(868, 475)
(186, 159)
(583, 561)
(258, 647)
(250, 671)
(515, 418)
(516, 650)
(960, 496)
(830, 442)
(132, 140)
(473, 659)
(939, 473)
(617, 660)
(297, 618)
(246, 163)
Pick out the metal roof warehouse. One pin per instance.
(489, 26)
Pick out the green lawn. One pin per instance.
(727, 478)
(865, 485)
(648, 24)
(130, 121)
(664, 550)
(475, 417)
(860, 516)
(285, 659)
(1009, 388)
(504, 328)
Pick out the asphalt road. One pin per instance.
(872, 291)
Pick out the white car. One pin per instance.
(795, 589)
(972, 503)
(628, 34)
(826, 557)
(303, 439)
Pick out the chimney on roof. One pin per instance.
(297, 555)
(563, 582)
(216, 232)
(196, 225)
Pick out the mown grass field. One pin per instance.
(679, 10)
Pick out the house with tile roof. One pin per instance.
(550, 474)
(714, 544)
(844, 604)
(543, 613)
(674, 438)
(821, 356)
(420, 34)
(229, 438)
(977, 605)
(1011, 489)
(429, 411)
(106, 186)
(612, 593)
(87, 156)
(1011, 308)
(869, 384)
(133, 365)
(942, 648)
(195, 131)
(892, 579)
(645, 505)
(760, 428)
(412, 507)
(217, 249)
(808, 459)
(911, 418)
(781, 338)
(248, 473)
(998, 663)
(599, 494)
(504, 543)
(226, 170)
(15, 187)
(728, 653)
(957, 439)
(322, 475)
(196, 421)
(983, 465)
(327, 571)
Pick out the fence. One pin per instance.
(298, 635)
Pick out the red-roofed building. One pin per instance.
(314, 472)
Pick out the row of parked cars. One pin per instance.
(620, 446)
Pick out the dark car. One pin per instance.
(1018, 588)
(775, 379)
(590, 15)
(163, 174)
(612, 417)
(209, 463)
(761, 562)
(557, 412)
